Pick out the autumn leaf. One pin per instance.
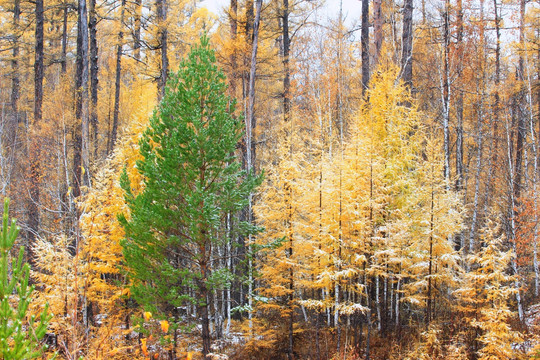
(164, 325)
(147, 315)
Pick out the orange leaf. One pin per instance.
(144, 348)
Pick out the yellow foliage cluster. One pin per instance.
(347, 214)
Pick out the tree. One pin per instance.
(20, 335)
(484, 295)
(192, 181)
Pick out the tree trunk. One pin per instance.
(459, 100)
(117, 80)
(137, 30)
(446, 91)
(205, 318)
(377, 28)
(513, 226)
(15, 76)
(14, 118)
(290, 353)
(249, 20)
(34, 151)
(286, 118)
(250, 147)
(407, 40)
(286, 69)
(161, 8)
(64, 38)
(364, 39)
(94, 69)
(496, 108)
(38, 64)
(520, 116)
(81, 153)
(233, 18)
(429, 309)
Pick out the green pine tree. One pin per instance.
(192, 180)
(20, 333)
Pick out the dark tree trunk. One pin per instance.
(407, 40)
(518, 166)
(35, 168)
(137, 30)
(249, 20)
(93, 75)
(161, 7)
(248, 27)
(15, 76)
(496, 107)
(38, 64)
(377, 29)
(364, 39)
(80, 156)
(117, 80)
(250, 117)
(233, 18)
(64, 38)
(203, 298)
(459, 99)
(286, 69)
(519, 111)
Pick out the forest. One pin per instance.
(272, 179)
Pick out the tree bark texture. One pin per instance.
(407, 41)
(34, 151)
(116, 113)
(286, 67)
(365, 45)
(94, 70)
(161, 8)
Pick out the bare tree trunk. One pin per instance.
(377, 29)
(513, 227)
(520, 117)
(459, 100)
(429, 306)
(474, 221)
(85, 154)
(290, 352)
(161, 8)
(202, 309)
(94, 69)
(286, 70)
(250, 125)
(38, 64)
(496, 109)
(137, 30)
(249, 25)
(34, 151)
(81, 153)
(233, 18)
(64, 37)
(15, 76)
(446, 91)
(407, 39)
(116, 112)
(365, 45)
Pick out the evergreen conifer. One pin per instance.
(192, 181)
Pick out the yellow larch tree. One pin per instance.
(483, 297)
(86, 284)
